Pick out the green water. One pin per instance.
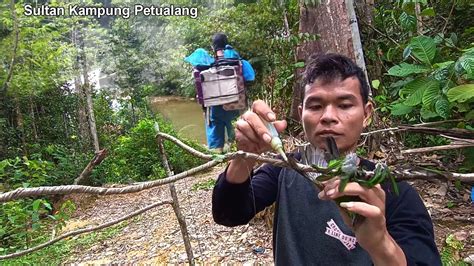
(186, 115)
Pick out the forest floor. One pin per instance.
(155, 238)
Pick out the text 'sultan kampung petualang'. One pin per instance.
(117, 11)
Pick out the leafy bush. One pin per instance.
(435, 86)
(24, 223)
(450, 252)
(23, 172)
(136, 158)
(204, 185)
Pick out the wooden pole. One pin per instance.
(175, 203)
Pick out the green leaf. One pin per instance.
(299, 64)
(465, 62)
(415, 90)
(430, 93)
(461, 93)
(48, 206)
(470, 115)
(442, 108)
(343, 183)
(400, 109)
(218, 157)
(408, 22)
(375, 83)
(333, 164)
(442, 70)
(423, 48)
(429, 12)
(427, 114)
(36, 205)
(405, 69)
(406, 52)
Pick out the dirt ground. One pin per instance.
(155, 238)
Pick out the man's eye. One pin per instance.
(345, 106)
(314, 107)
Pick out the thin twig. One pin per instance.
(449, 16)
(184, 146)
(458, 139)
(405, 127)
(85, 230)
(391, 39)
(437, 148)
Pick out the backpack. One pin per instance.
(221, 84)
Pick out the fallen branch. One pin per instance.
(98, 158)
(453, 132)
(438, 148)
(85, 230)
(423, 127)
(182, 145)
(69, 189)
(56, 190)
(414, 172)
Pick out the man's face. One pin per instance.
(334, 109)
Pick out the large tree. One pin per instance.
(331, 20)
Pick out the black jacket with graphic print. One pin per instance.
(310, 231)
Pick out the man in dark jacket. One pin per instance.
(309, 227)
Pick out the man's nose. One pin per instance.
(329, 115)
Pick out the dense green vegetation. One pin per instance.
(419, 55)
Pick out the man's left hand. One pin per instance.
(371, 232)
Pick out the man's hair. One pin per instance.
(330, 67)
(219, 41)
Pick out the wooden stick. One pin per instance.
(175, 204)
(438, 148)
(84, 176)
(85, 230)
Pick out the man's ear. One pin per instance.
(368, 110)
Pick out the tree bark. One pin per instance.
(6, 84)
(33, 122)
(20, 124)
(83, 178)
(16, 33)
(331, 21)
(87, 88)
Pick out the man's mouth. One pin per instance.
(328, 133)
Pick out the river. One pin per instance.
(185, 114)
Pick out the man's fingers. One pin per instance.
(374, 196)
(362, 208)
(257, 125)
(245, 129)
(262, 109)
(280, 125)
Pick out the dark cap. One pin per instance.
(219, 41)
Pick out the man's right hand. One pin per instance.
(250, 132)
(252, 136)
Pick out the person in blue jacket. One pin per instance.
(218, 120)
(309, 227)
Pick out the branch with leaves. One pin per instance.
(85, 230)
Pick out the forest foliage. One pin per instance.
(419, 55)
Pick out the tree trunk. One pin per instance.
(33, 123)
(331, 21)
(16, 33)
(20, 124)
(88, 93)
(6, 83)
(84, 132)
